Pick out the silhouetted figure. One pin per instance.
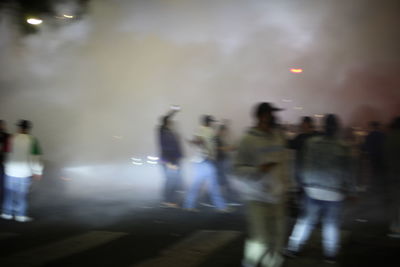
(326, 181)
(3, 143)
(392, 160)
(262, 164)
(307, 130)
(171, 155)
(204, 166)
(373, 147)
(223, 162)
(22, 164)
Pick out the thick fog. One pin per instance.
(95, 87)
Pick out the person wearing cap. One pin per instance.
(204, 168)
(262, 166)
(326, 181)
(22, 164)
(171, 155)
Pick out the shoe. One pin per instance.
(226, 210)
(191, 210)
(6, 216)
(330, 260)
(290, 254)
(235, 204)
(169, 205)
(394, 235)
(23, 219)
(207, 205)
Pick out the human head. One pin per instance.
(207, 120)
(395, 125)
(307, 123)
(264, 114)
(331, 125)
(24, 126)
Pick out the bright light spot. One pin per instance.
(136, 159)
(298, 108)
(318, 115)
(68, 16)
(293, 70)
(152, 162)
(34, 21)
(287, 100)
(137, 163)
(152, 158)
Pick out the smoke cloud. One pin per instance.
(95, 87)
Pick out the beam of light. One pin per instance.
(293, 70)
(152, 162)
(136, 159)
(68, 16)
(137, 163)
(34, 21)
(152, 158)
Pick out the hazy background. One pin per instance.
(95, 87)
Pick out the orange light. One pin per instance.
(292, 70)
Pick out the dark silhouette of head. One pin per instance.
(331, 125)
(24, 126)
(207, 120)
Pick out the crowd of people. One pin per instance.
(323, 167)
(330, 166)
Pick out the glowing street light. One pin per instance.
(34, 21)
(294, 70)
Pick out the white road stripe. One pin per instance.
(60, 249)
(193, 250)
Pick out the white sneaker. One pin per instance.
(6, 216)
(23, 219)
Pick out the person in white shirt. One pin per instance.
(204, 166)
(22, 164)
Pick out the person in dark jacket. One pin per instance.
(3, 143)
(171, 155)
(373, 148)
(326, 182)
(392, 160)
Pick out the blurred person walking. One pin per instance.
(327, 181)
(373, 149)
(262, 164)
(21, 165)
(392, 160)
(224, 164)
(171, 156)
(3, 141)
(204, 166)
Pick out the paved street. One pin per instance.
(115, 232)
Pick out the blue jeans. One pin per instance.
(173, 183)
(204, 172)
(330, 214)
(15, 195)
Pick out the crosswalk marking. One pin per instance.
(60, 249)
(192, 250)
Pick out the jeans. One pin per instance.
(15, 195)
(330, 212)
(204, 172)
(173, 183)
